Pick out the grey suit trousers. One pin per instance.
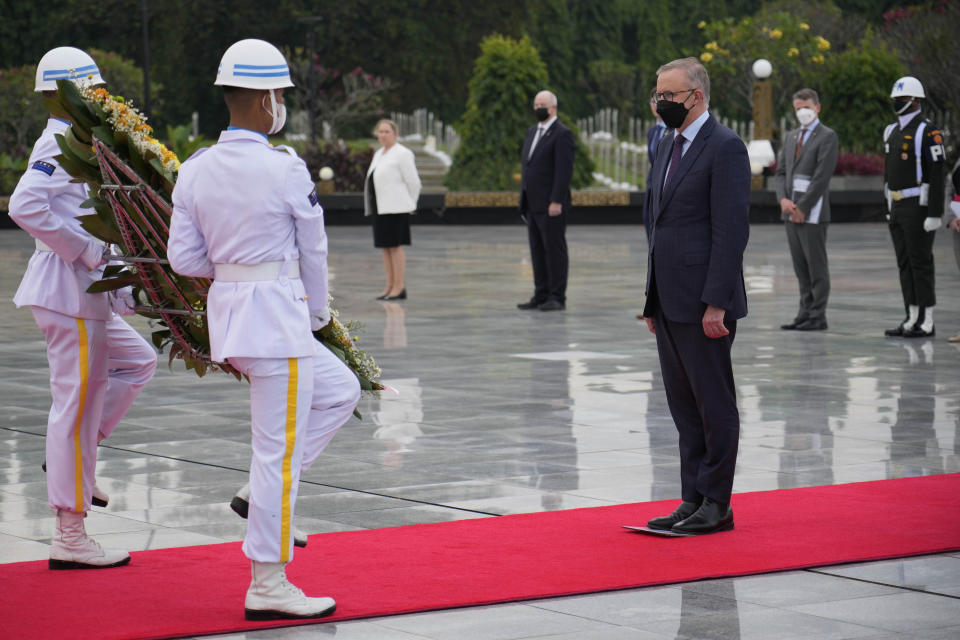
(808, 249)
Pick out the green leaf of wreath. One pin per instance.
(99, 229)
(112, 284)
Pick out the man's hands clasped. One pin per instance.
(713, 326)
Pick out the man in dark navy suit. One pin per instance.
(547, 161)
(697, 220)
(656, 132)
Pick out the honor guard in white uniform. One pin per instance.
(246, 214)
(98, 363)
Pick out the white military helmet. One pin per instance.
(253, 64)
(66, 63)
(907, 87)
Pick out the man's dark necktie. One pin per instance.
(796, 151)
(536, 139)
(674, 158)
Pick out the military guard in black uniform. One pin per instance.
(913, 184)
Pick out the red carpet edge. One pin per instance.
(193, 591)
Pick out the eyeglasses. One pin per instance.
(668, 95)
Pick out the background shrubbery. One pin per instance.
(859, 164)
(595, 55)
(349, 166)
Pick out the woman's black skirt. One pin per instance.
(391, 230)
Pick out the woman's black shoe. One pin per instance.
(400, 296)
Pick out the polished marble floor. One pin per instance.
(502, 411)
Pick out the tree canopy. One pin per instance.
(597, 54)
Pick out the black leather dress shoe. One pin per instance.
(711, 517)
(917, 332)
(552, 305)
(685, 510)
(898, 330)
(791, 326)
(530, 304)
(814, 324)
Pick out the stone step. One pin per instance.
(431, 169)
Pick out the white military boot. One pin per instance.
(72, 548)
(241, 506)
(272, 597)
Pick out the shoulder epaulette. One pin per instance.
(283, 147)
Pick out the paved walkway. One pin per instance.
(503, 411)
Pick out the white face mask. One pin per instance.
(278, 112)
(806, 115)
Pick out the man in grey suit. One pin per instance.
(807, 160)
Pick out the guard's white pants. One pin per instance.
(296, 407)
(97, 369)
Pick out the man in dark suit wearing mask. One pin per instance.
(656, 132)
(547, 161)
(697, 222)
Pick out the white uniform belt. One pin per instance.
(912, 192)
(255, 272)
(42, 246)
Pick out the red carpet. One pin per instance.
(199, 590)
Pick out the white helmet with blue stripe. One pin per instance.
(253, 64)
(66, 63)
(907, 87)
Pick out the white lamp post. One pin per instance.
(760, 149)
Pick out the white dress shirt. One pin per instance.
(905, 119)
(245, 202)
(804, 136)
(541, 129)
(688, 135)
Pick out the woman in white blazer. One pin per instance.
(390, 194)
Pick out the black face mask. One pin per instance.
(672, 113)
(900, 105)
(542, 113)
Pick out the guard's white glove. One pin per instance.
(95, 255)
(931, 224)
(122, 302)
(319, 319)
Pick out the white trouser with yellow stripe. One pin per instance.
(97, 369)
(296, 407)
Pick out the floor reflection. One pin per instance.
(398, 418)
(723, 620)
(545, 386)
(663, 438)
(395, 327)
(914, 448)
(805, 404)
